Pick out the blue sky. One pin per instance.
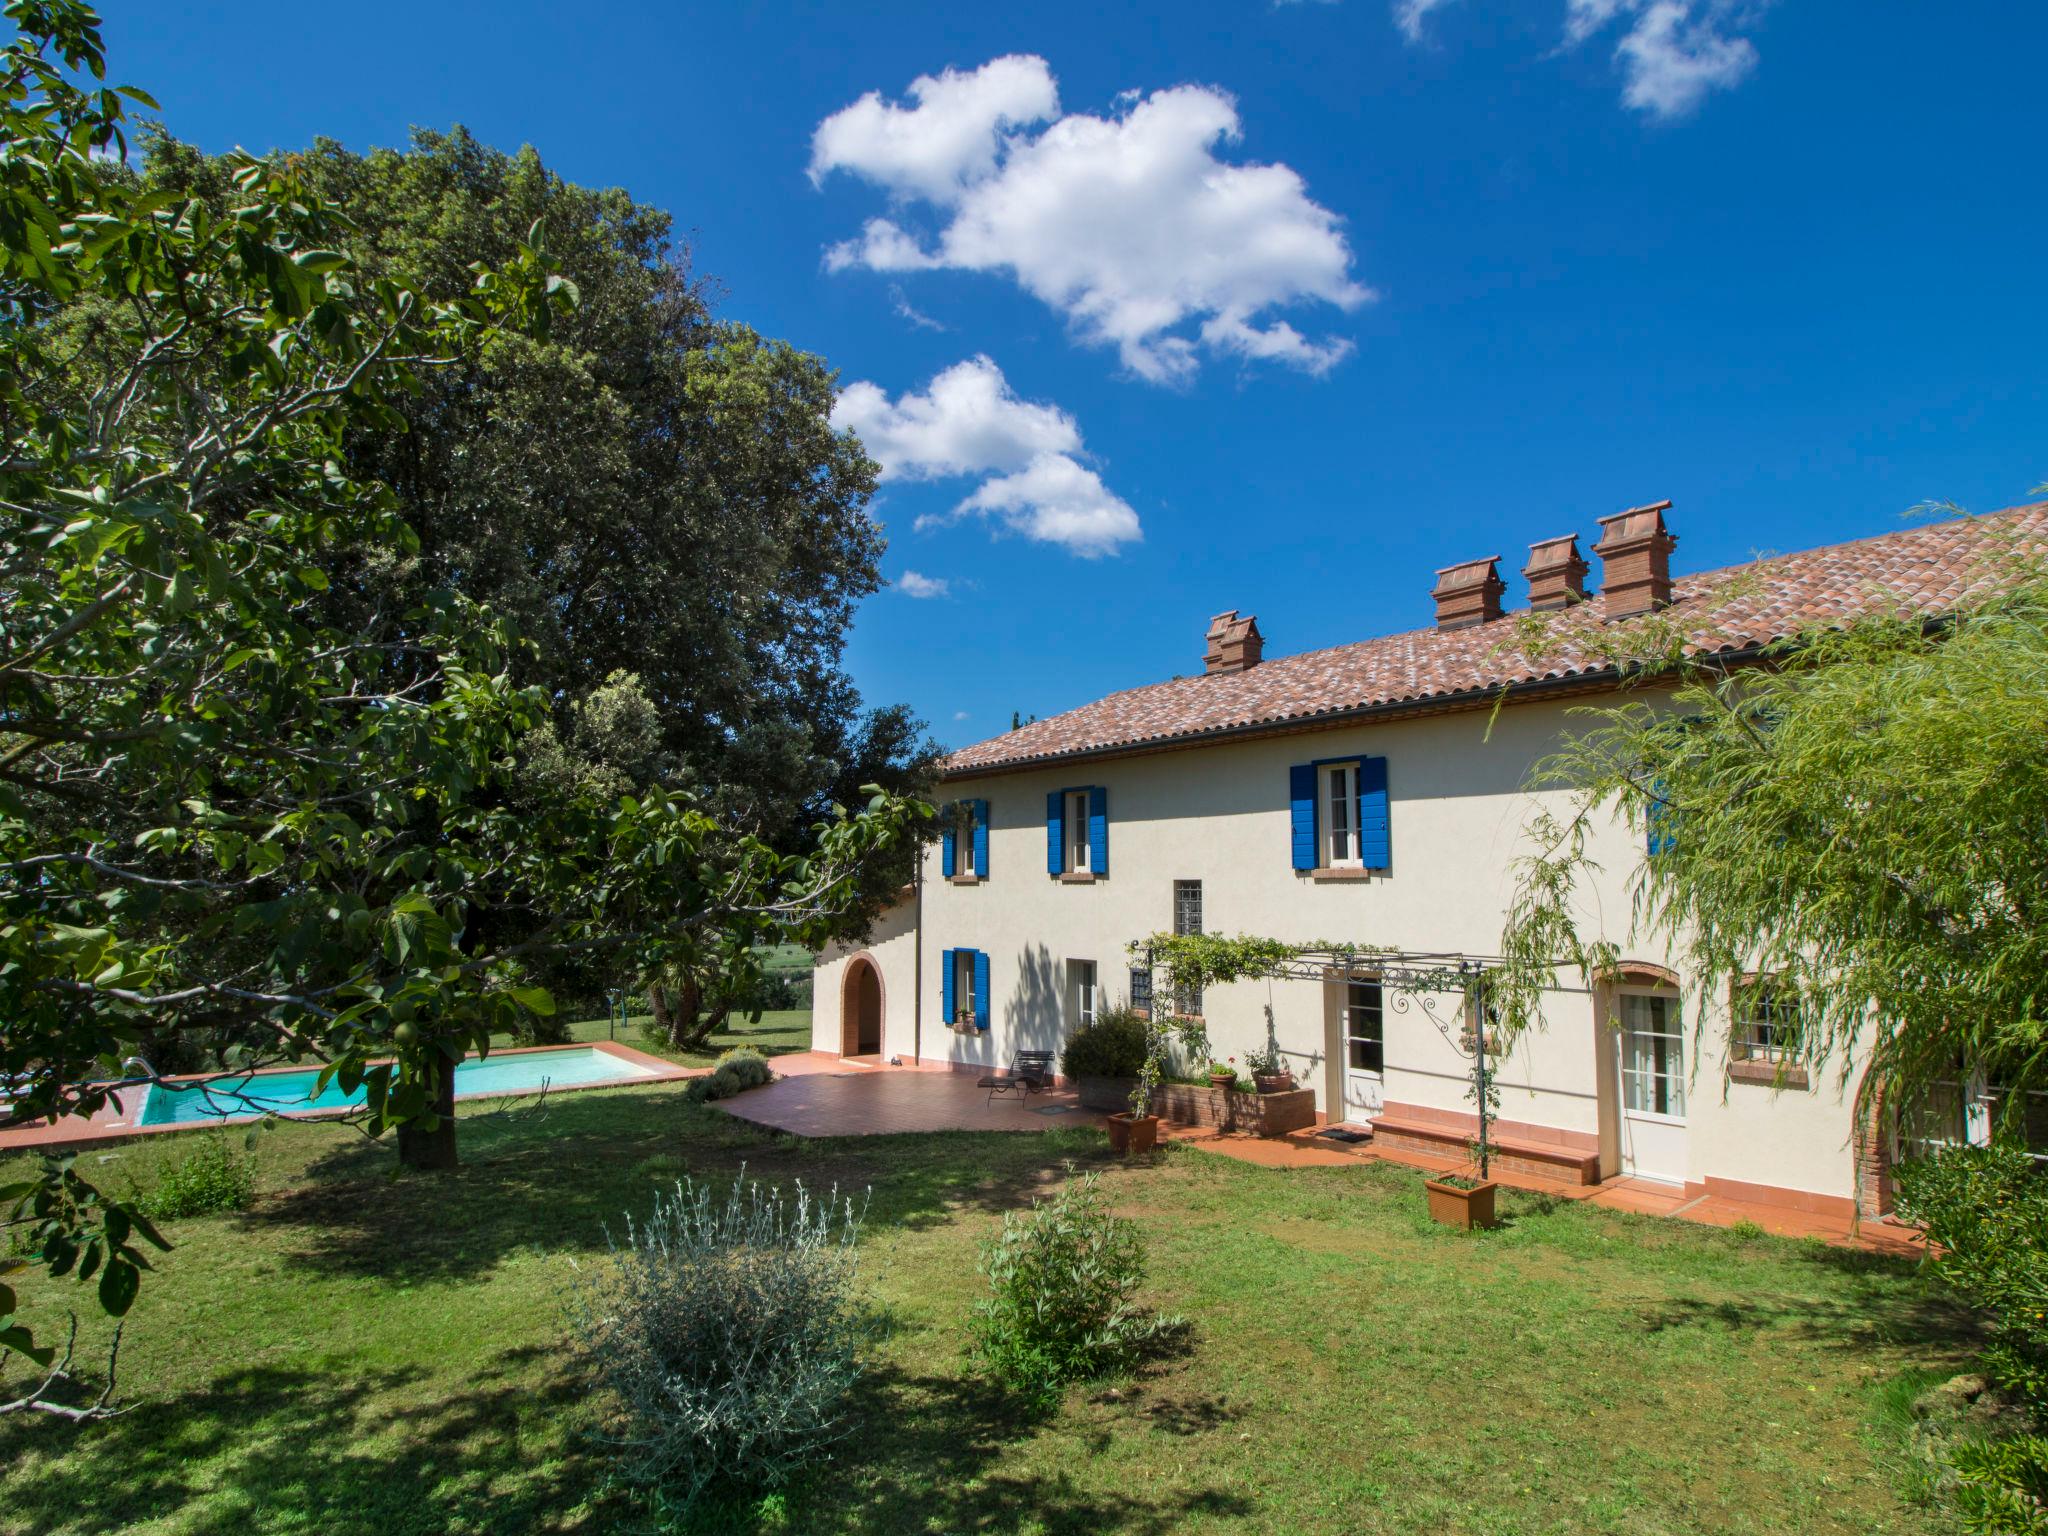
(1465, 275)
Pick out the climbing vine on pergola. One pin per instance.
(1182, 965)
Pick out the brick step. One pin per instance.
(1521, 1154)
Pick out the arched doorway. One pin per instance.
(860, 1009)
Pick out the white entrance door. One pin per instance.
(1652, 1048)
(1365, 1072)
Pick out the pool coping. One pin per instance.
(111, 1124)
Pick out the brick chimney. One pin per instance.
(1468, 594)
(1234, 643)
(1556, 573)
(1635, 561)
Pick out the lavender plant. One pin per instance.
(728, 1331)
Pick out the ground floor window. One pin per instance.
(1187, 918)
(1766, 1021)
(1969, 1110)
(1652, 1054)
(963, 986)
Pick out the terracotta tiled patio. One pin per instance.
(818, 1094)
(821, 1095)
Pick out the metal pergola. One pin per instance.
(1415, 977)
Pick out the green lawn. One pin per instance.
(358, 1355)
(777, 1032)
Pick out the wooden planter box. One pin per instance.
(1465, 1208)
(1254, 1114)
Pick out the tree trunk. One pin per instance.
(657, 1003)
(681, 1029)
(419, 1147)
(703, 1029)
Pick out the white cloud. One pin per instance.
(1127, 224)
(1672, 53)
(1676, 53)
(909, 311)
(949, 138)
(961, 714)
(1057, 500)
(969, 422)
(917, 584)
(1410, 14)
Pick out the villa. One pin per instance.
(1373, 793)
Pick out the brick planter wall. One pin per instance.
(1254, 1114)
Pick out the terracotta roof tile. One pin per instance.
(1926, 569)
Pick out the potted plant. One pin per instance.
(1129, 1132)
(1223, 1074)
(1459, 1201)
(1103, 1057)
(1270, 1072)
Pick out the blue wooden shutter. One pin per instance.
(1657, 820)
(949, 850)
(946, 1008)
(981, 989)
(1301, 798)
(981, 838)
(1375, 827)
(1055, 831)
(1098, 830)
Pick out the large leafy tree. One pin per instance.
(653, 493)
(1863, 817)
(251, 789)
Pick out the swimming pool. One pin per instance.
(289, 1093)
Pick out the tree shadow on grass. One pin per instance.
(941, 1453)
(554, 1183)
(1871, 1309)
(267, 1448)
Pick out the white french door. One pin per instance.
(1365, 1069)
(1652, 1046)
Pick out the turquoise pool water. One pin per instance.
(288, 1093)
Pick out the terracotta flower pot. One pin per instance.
(1465, 1208)
(1133, 1133)
(1222, 1079)
(1273, 1082)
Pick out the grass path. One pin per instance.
(358, 1355)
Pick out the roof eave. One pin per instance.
(1592, 681)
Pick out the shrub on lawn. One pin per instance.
(736, 1071)
(1113, 1046)
(779, 991)
(211, 1177)
(1063, 1281)
(728, 1332)
(1987, 1210)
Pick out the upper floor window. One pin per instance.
(1340, 815)
(963, 841)
(1077, 832)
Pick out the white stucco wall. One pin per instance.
(892, 947)
(1220, 814)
